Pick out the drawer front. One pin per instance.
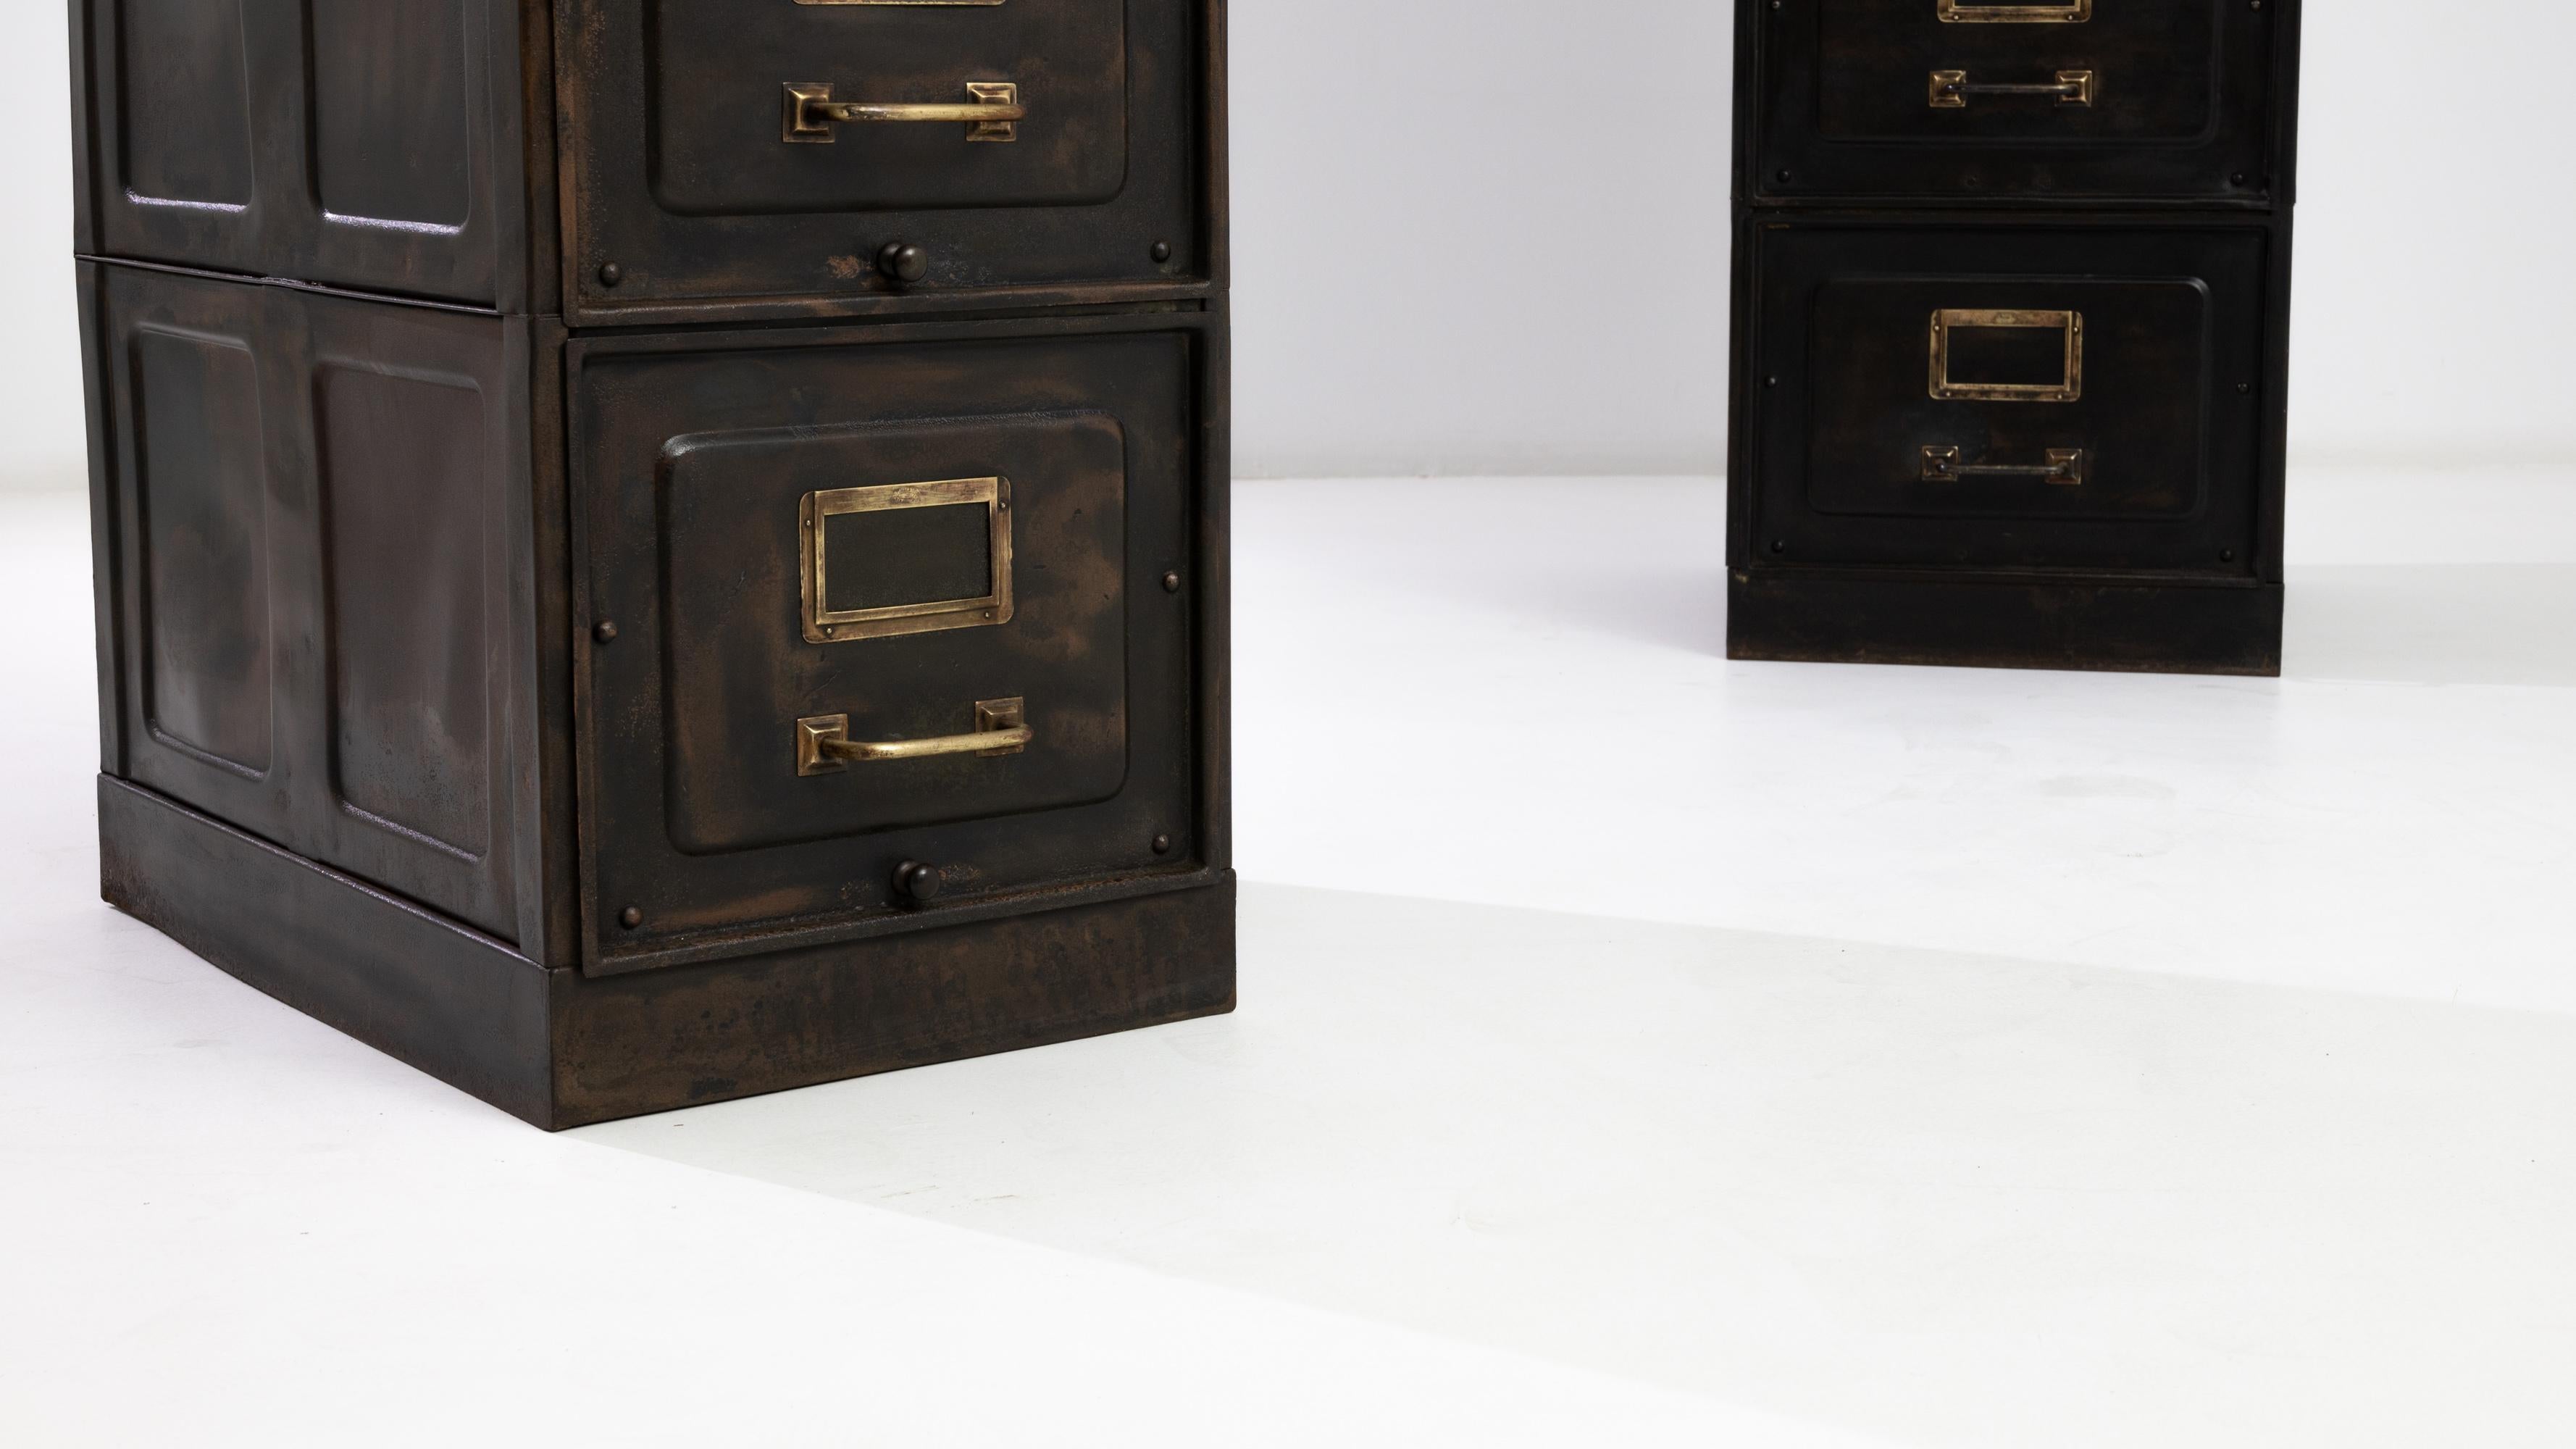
(879, 599)
(795, 157)
(1946, 99)
(367, 143)
(2017, 397)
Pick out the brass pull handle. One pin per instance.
(1941, 465)
(824, 746)
(1968, 12)
(989, 112)
(1951, 89)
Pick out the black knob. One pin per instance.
(916, 882)
(904, 262)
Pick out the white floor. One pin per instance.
(1637, 1048)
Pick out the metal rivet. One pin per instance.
(2244, 387)
(2227, 555)
(1779, 545)
(610, 274)
(1172, 582)
(1781, 175)
(1162, 845)
(2237, 179)
(1162, 251)
(1770, 382)
(605, 631)
(630, 918)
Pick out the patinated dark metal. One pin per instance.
(458, 655)
(2082, 219)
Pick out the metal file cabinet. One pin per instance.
(651, 551)
(2011, 335)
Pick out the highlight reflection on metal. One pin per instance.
(1955, 12)
(988, 112)
(824, 746)
(824, 625)
(1950, 89)
(1941, 464)
(1949, 320)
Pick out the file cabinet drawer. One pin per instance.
(811, 157)
(1944, 99)
(2018, 397)
(887, 626)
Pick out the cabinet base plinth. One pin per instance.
(2005, 623)
(560, 1049)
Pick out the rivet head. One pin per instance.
(1779, 545)
(610, 274)
(1172, 582)
(605, 631)
(1162, 845)
(630, 918)
(1162, 251)
(1781, 175)
(916, 882)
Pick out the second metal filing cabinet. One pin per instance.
(657, 550)
(2012, 332)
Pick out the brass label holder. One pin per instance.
(824, 625)
(1953, 12)
(1950, 319)
(990, 112)
(824, 746)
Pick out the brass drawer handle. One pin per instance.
(1941, 465)
(989, 112)
(1951, 89)
(1967, 12)
(824, 746)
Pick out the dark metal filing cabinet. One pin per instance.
(2011, 340)
(651, 551)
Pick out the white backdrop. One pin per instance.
(1489, 236)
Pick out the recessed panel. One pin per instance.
(204, 504)
(746, 668)
(391, 140)
(404, 490)
(184, 103)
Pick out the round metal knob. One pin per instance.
(916, 882)
(904, 262)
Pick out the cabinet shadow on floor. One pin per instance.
(1957, 1199)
